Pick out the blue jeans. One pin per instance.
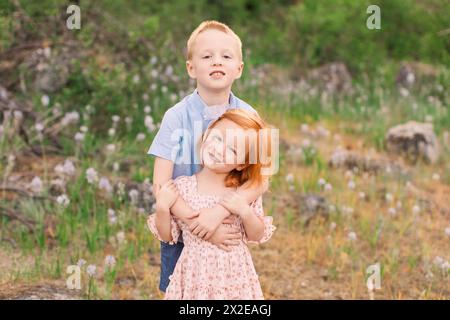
(169, 257)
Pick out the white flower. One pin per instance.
(436, 177)
(332, 225)
(79, 136)
(134, 194)
(104, 184)
(91, 175)
(111, 132)
(91, 270)
(289, 178)
(416, 209)
(39, 127)
(70, 117)
(389, 197)
(148, 122)
(63, 200)
(348, 174)
(116, 166)
(111, 148)
(45, 100)
(153, 60)
(136, 78)
(392, 211)
(362, 195)
(322, 182)
(128, 120)
(305, 128)
(115, 118)
(447, 231)
(306, 143)
(147, 109)
(120, 237)
(145, 97)
(153, 86)
(439, 261)
(404, 92)
(110, 261)
(112, 216)
(328, 187)
(81, 263)
(410, 78)
(164, 89)
(351, 185)
(352, 236)
(84, 129)
(36, 185)
(18, 114)
(67, 168)
(173, 97)
(140, 136)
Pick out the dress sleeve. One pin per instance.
(174, 228)
(269, 228)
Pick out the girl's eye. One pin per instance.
(206, 57)
(227, 57)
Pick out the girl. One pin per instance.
(205, 271)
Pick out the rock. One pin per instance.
(312, 205)
(414, 141)
(332, 78)
(364, 162)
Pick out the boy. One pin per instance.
(214, 59)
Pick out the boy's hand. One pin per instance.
(225, 237)
(235, 203)
(206, 224)
(166, 196)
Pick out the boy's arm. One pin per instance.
(162, 172)
(208, 221)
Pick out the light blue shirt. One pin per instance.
(181, 129)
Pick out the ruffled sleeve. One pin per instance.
(174, 228)
(269, 228)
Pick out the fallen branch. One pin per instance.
(19, 217)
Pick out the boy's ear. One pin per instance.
(190, 69)
(241, 67)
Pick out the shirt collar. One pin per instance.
(212, 112)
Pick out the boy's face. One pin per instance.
(215, 61)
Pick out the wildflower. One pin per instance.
(18, 115)
(111, 132)
(63, 200)
(164, 89)
(67, 168)
(436, 177)
(328, 187)
(116, 166)
(332, 226)
(70, 117)
(39, 127)
(134, 194)
(81, 263)
(289, 178)
(104, 184)
(115, 118)
(112, 216)
(416, 209)
(128, 121)
(322, 182)
(305, 128)
(45, 100)
(120, 237)
(145, 96)
(91, 270)
(91, 175)
(140, 136)
(111, 148)
(389, 197)
(306, 143)
(36, 185)
(447, 231)
(351, 185)
(153, 60)
(404, 92)
(147, 109)
(362, 195)
(84, 129)
(110, 261)
(392, 211)
(352, 236)
(79, 136)
(148, 122)
(136, 78)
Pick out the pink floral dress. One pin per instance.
(204, 271)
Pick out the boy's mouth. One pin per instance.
(217, 74)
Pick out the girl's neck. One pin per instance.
(213, 98)
(212, 177)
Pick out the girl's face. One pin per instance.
(224, 148)
(215, 62)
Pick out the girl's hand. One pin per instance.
(166, 196)
(235, 203)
